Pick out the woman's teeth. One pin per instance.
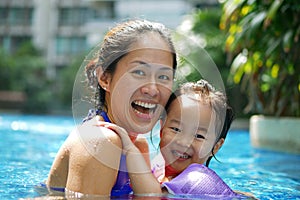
(145, 105)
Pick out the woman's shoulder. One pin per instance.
(91, 129)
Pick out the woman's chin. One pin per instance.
(143, 128)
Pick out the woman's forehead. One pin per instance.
(150, 40)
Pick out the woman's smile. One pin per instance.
(144, 109)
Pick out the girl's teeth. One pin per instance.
(185, 156)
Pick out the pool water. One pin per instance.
(28, 145)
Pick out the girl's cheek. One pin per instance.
(204, 150)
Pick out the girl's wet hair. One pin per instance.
(116, 44)
(206, 93)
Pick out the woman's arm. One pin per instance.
(59, 170)
(142, 179)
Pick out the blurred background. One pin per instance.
(43, 43)
(254, 43)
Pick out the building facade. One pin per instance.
(62, 29)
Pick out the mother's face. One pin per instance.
(141, 85)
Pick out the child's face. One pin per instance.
(188, 134)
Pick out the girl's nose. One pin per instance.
(184, 140)
(150, 89)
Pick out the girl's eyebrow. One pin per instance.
(175, 121)
(202, 129)
(149, 65)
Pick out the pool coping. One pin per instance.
(240, 124)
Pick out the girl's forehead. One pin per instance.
(184, 106)
(188, 100)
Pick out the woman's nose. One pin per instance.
(150, 89)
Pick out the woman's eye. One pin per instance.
(164, 77)
(139, 72)
(199, 136)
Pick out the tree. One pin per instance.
(263, 42)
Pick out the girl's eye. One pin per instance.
(139, 72)
(176, 129)
(199, 136)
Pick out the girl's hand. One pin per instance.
(126, 141)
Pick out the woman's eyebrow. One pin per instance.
(145, 64)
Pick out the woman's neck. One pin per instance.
(132, 137)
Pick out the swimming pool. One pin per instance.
(29, 144)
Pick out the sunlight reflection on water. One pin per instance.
(30, 143)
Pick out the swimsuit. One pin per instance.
(43, 185)
(122, 185)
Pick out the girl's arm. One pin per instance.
(142, 179)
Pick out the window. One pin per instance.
(72, 16)
(12, 44)
(3, 16)
(70, 45)
(102, 10)
(16, 16)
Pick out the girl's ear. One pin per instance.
(218, 145)
(104, 79)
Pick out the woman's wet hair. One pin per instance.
(116, 44)
(206, 93)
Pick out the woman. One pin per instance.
(133, 77)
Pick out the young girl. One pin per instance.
(194, 129)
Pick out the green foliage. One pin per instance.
(204, 26)
(263, 42)
(6, 70)
(205, 30)
(24, 71)
(65, 81)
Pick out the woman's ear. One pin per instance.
(218, 145)
(104, 79)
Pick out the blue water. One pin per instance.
(29, 144)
